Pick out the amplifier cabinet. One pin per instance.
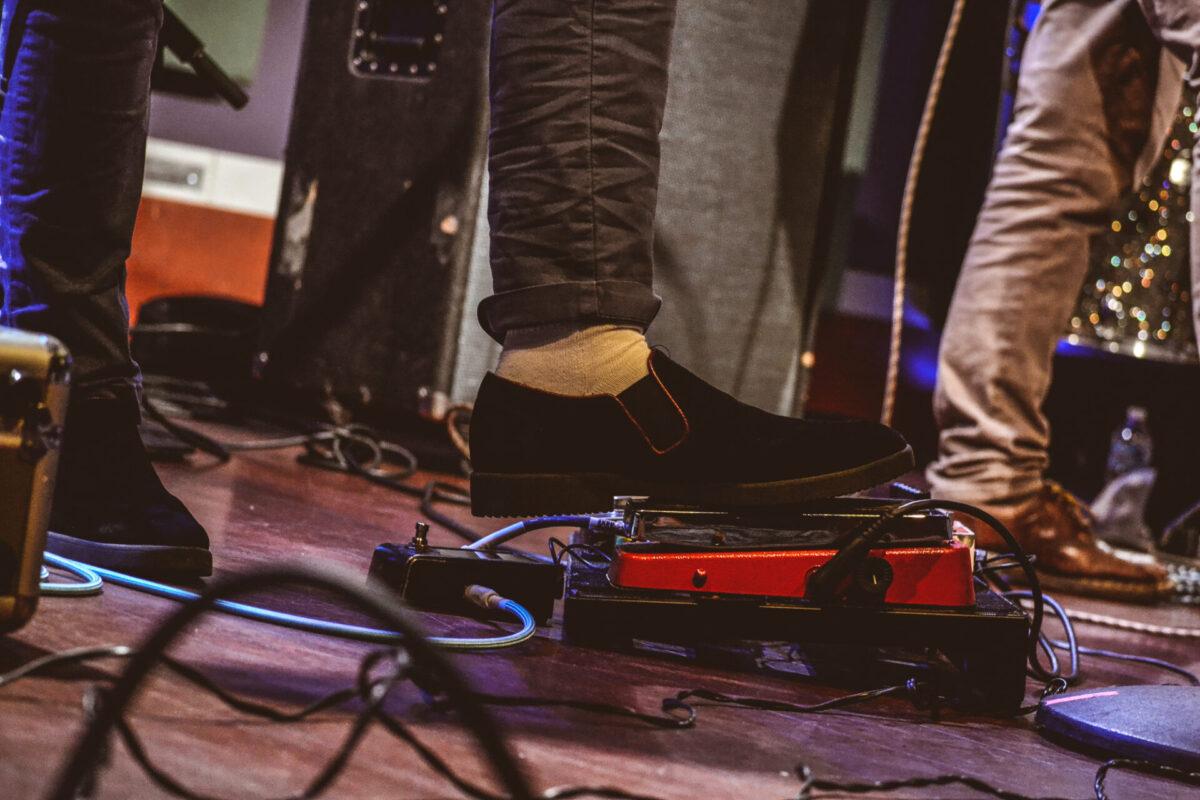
(378, 208)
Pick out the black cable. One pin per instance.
(761, 704)
(580, 550)
(435, 491)
(1150, 768)
(334, 448)
(73, 656)
(809, 782)
(433, 760)
(826, 579)
(1071, 645)
(990, 569)
(610, 792)
(81, 766)
(251, 707)
(1056, 686)
(339, 453)
(134, 744)
(374, 710)
(999, 562)
(330, 700)
(372, 692)
(1186, 674)
(189, 436)
(191, 674)
(992, 572)
(668, 719)
(160, 778)
(1074, 649)
(1061, 682)
(394, 726)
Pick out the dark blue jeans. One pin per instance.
(73, 116)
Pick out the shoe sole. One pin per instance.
(138, 559)
(495, 494)
(1103, 588)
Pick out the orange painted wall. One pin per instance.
(180, 248)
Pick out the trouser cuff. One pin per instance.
(617, 302)
(994, 494)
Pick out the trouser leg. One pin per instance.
(72, 151)
(577, 96)
(1066, 157)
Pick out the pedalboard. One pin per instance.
(853, 575)
(434, 578)
(694, 577)
(986, 644)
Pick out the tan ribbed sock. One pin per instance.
(568, 359)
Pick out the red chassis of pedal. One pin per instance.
(923, 576)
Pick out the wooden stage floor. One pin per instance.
(264, 506)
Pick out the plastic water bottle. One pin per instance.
(1131, 447)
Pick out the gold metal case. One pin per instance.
(34, 383)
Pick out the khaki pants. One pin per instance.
(1069, 153)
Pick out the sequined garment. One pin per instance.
(1137, 298)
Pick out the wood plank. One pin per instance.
(265, 506)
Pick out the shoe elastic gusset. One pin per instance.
(670, 436)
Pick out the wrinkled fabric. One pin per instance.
(1068, 154)
(73, 124)
(577, 97)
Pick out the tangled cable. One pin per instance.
(810, 783)
(356, 449)
(861, 542)
(109, 712)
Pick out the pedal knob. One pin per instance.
(873, 577)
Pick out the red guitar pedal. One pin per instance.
(924, 561)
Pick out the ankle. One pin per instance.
(575, 360)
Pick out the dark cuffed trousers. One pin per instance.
(577, 95)
(73, 115)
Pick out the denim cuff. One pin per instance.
(624, 302)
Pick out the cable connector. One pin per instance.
(482, 596)
(449, 579)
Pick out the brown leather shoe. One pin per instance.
(1057, 530)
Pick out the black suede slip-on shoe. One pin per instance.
(671, 437)
(111, 510)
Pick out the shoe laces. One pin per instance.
(1071, 504)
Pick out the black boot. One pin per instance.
(111, 510)
(670, 436)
